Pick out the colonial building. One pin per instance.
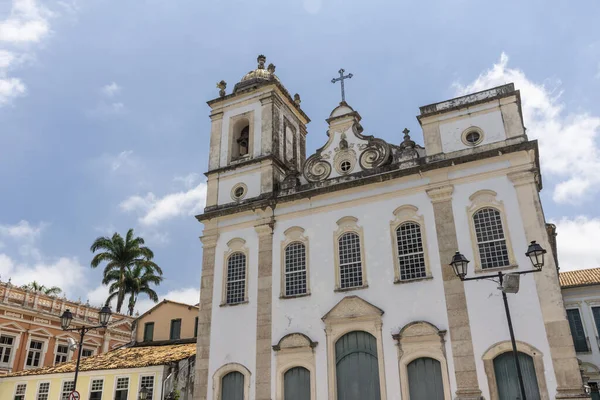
(581, 294)
(327, 276)
(167, 321)
(31, 336)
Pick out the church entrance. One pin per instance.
(506, 377)
(357, 368)
(425, 379)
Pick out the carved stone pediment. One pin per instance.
(352, 307)
(294, 340)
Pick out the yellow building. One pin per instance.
(119, 375)
(167, 321)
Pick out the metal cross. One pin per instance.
(341, 79)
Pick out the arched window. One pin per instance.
(232, 386)
(357, 367)
(296, 384)
(236, 278)
(491, 241)
(351, 272)
(241, 136)
(243, 140)
(295, 269)
(506, 377)
(411, 256)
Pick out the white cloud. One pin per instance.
(153, 209)
(10, 88)
(188, 180)
(6, 58)
(111, 89)
(124, 158)
(27, 22)
(64, 272)
(22, 230)
(577, 242)
(569, 148)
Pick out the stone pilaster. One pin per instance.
(562, 351)
(216, 131)
(456, 302)
(209, 242)
(264, 314)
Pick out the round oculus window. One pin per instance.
(239, 191)
(472, 138)
(345, 166)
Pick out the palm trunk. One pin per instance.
(121, 295)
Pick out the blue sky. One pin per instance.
(104, 125)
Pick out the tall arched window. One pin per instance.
(491, 241)
(295, 269)
(351, 272)
(296, 384)
(357, 367)
(506, 377)
(411, 256)
(236, 278)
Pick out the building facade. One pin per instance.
(327, 277)
(167, 321)
(31, 336)
(581, 294)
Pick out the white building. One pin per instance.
(327, 277)
(581, 294)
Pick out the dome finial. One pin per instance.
(261, 61)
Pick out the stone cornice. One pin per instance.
(520, 178)
(209, 240)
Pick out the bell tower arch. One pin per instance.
(257, 140)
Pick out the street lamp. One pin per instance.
(143, 393)
(535, 252)
(65, 321)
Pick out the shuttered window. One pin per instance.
(576, 325)
(296, 384)
(148, 331)
(507, 381)
(175, 329)
(232, 386)
(425, 379)
(357, 368)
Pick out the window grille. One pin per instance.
(20, 391)
(491, 241)
(148, 383)
(122, 388)
(67, 388)
(411, 256)
(295, 269)
(43, 391)
(62, 353)
(96, 389)
(350, 261)
(35, 353)
(236, 278)
(6, 347)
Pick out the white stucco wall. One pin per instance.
(402, 303)
(584, 298)
(490, 122)
(250, 176)
(233, 329)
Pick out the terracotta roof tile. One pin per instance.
(581, 277)
(129, 357)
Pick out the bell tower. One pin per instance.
(257, 138)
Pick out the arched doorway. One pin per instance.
(296, 384)
(507, 380)
(232, 386)
(357, 369)
(425, 379)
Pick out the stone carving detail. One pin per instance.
(294, 340)
(351, 307)
(316, 168)
(376, 154)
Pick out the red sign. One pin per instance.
(74, 395)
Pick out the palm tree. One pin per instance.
(121, 255)
(137, 281)
(41, 288)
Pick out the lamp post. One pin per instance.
(65, 321)
(535, 252)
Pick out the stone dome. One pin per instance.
(260, 74)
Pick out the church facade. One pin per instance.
(328, 276)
